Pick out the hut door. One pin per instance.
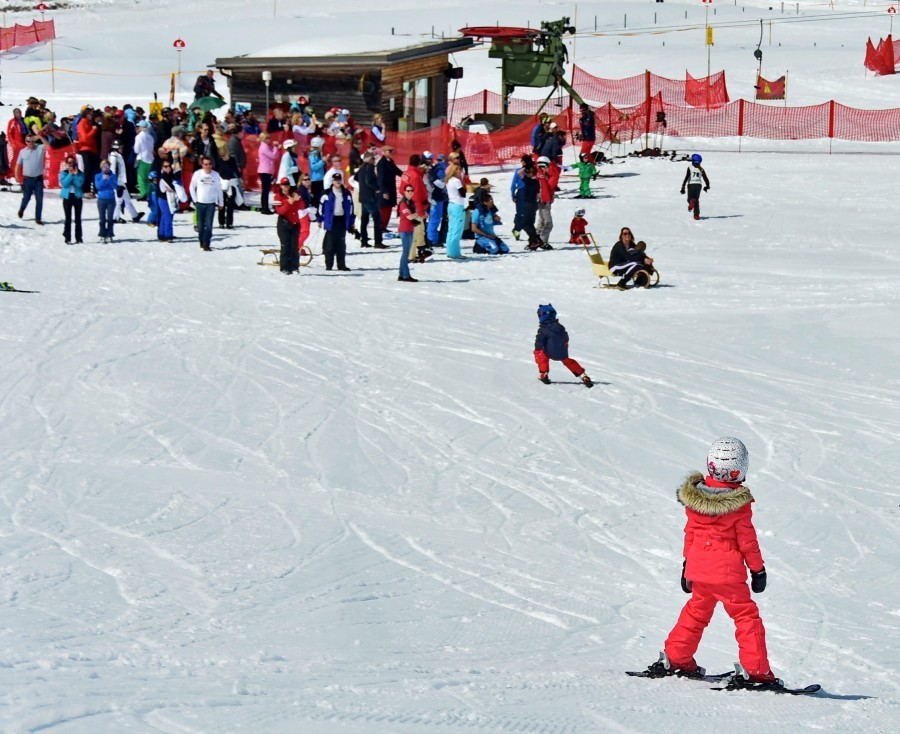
(416, 104)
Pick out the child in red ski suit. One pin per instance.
(720, 545)
(578, 229)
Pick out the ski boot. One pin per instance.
(534, 244)
(663, 668)
(588, 382)
(742, 680)
(545, 378)
(546, 246)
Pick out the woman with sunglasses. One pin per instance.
(408, 219)
(71, 191)
(290, 208)
(626, 260)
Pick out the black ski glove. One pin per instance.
(682, 191)
(686, 586)
(758, 580)
(706, 188)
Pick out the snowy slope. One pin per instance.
(239, 502)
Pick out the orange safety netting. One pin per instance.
(26, 35)
(884, 58)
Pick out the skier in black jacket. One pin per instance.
(552, 342)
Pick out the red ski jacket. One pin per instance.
(719, 538)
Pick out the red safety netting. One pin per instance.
(708, 92)
(614, 124)
(884, 58)
(491, 103)
(25, 35)
(701, 92)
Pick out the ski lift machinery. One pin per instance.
(530, 57)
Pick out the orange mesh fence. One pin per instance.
(26, 35)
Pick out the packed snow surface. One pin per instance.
(332, 503)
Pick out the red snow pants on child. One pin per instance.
(749, 632)
(543, 363)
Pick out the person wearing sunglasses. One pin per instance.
(408, 219)
(206, 193)
(30, 169)
(626, 260)
(336, 217)
(71, 191)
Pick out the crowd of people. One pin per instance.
(182, 159)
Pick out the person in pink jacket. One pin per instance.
(269, 154)
(720, 545)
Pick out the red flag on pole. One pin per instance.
(770, 90)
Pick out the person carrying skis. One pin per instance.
(552, 342)
(694, 180)
(720, 545)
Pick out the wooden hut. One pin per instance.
(407, 85)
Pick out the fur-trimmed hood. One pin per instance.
(696, 496)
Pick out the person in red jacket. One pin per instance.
(578, 229)
(290, 208)
(412, 176)
(719, 546)
(88, 145)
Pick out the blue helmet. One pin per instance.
(546, 313)
(697, 158)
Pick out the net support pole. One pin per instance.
(830, 124)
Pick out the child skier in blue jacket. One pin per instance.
(552, 342)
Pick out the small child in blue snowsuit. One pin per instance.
(552, 342)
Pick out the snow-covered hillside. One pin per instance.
(234, 501)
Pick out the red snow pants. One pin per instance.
(543, 363)
(684, 639)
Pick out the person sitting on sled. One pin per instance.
(578, 229)
(720, 545)
(552, 342)
(586, 172)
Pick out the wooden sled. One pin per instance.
(642, 279)
(305, 256)
(274, 253)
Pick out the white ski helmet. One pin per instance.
(728, 460)
(543, 161)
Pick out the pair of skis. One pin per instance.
(10, 288)
(731, 681)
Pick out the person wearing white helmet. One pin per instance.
(316, 167)
(695, 179)
(720, 545)
(548, 176)
(287, 167)
(578, 229)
